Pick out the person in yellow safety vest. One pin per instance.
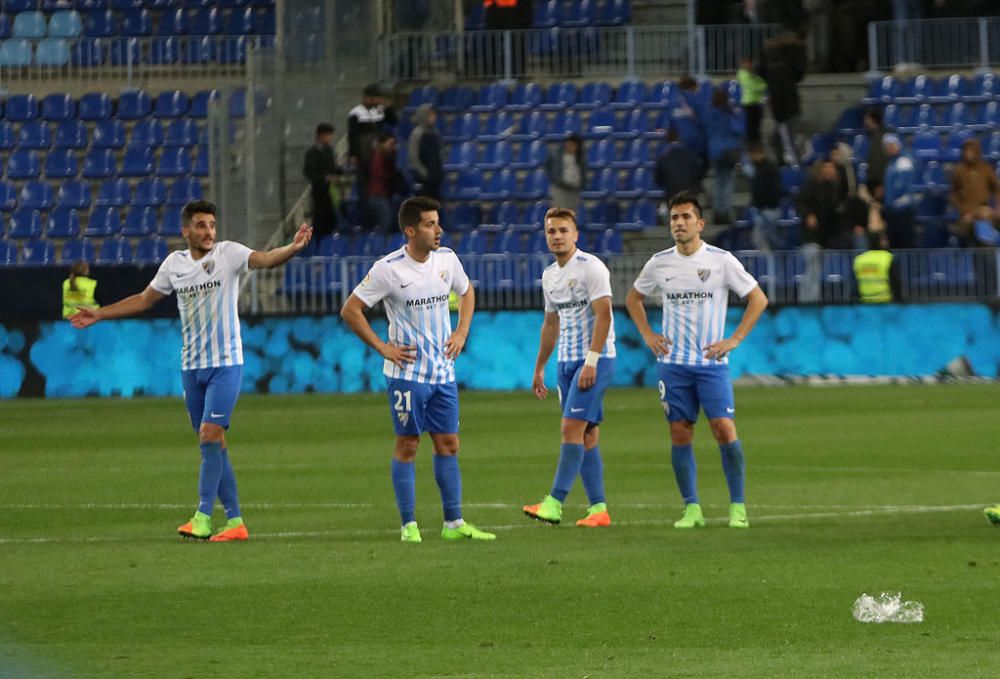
(78, 290)
(876, 273)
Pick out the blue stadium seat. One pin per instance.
(164, 50)
(495, 156)
(4, 26)
(499, 186)
(95, 106)
(882, 90)
(34, 134)
(232, 50)
(183, 191)
(632, 155)
(173, 22)
(103, 222)
(613, 13)
(138, 161)
(428, 94)
(953, 151)
(170, 226)
(206, 21)
(926, 145)
(466, 186)
(464, 127)
(460, 157)
(635, 125)
(134, 105)
(859, 147)
(491, 98)
(21, 107)
(100, 24)
(610, 243)
(957, 115)
(8, 137)
(65, 24)
(917, 90)
(74, 193)
(562, 125)
(147, 132)
(25, 223)
(506, 214)
(8, 195)
(238, 102)
(559, 96)
(63, 222)
(58, 107)
(61, 164)
(264, 21)
(173, 104)
(125, 5)
(99, 164)
(181, 132)
(472, 243)
(532, 127)
(200, 168)
(600, 154)
(52, 52)
(950, 89)
(659, 96)
(77, 249)
(150, 193)
(987, 117)
(991, 149)
(530, 155)
(88, 52)
(38, 253)
(548, 14)
(140, 221)
(36, 195)
(580, 14)
(792, 178)
(30, 24)
(600, 185)
(601, 124)
(174, 162)
(629, 95)
(593, 95)
(239, 22)
(639, 183)
(534, 187)
(456, 99)
(115, 251)
(136, 23)
(511, 242)
(598, 216)
(461, 218)
(109, 134)
(640, 215)
(526, 97)
(23, 164)
(984, 87)
(497, 126)
(16, 52)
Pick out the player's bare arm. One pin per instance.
(546, 345)
(602, 325)
(353, 314)
(130, 306)
(756, 303)
(278, 256)
(657, 343)
(466, 307)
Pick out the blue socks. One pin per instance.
(449, 481)
(209, 477)
(404, 482)
(734, 468)
(686, 472)
(570, 461)
(227, 488)
(592, 475)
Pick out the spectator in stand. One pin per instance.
(366, 122)
(899, 202)
(320, 168)
(567, 170)
(877, 160)
(383, 182)
(678, 169)
(753, 90)
(975, 194)
(725, 142)
(425, 152)
(783, 67)
(854, 207)
(765, 196)
(688, 115)
(876, 273)
(819, 208)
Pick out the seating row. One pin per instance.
(78, 194)
(566, 13)
(102, 163)
(111, 251)
(130, 105)
(114, 51)
(65, 222)
(927, 89)
(15, 6)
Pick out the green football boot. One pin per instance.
(410, 533)
(548, 510)
(992, 514)
(199, 527)
(692, 518)
(738, 515)
(466, 532)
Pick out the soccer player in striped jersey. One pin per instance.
(577, 291)
(206, 279)
(693, 280)
(414, 284)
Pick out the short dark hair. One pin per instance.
(409, 211)
(325, 128)
(683, 198)
(875, 114)
(195, 207)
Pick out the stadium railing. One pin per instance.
(504, 281)
(570, 52)
(972, 42)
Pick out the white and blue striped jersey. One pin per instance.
(694, 291)
(207, 290)
(569, 291)
(416, 301)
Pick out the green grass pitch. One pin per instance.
(850, 490)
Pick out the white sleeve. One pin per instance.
(374, 287)
(161, 281)
(459, 279)
(646, 284)
(237, 256)
(598, 280)
(550, 307)
(738, 279)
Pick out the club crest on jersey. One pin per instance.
(208, 266)
(570, 283)
(366, 280)
(703, 274)
(443, 275)
(403, 416)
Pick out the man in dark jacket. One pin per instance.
(678, 168)
(783, 67)
(819, 203)
(366, 122)
(425, 153)
(320, 168)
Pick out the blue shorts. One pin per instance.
(417, 407)
(210, 394)
(686, 388)
(578, 404)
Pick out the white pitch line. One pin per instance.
(665, 506)
(280, 535)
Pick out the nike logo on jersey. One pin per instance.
(403, 285)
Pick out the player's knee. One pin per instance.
(572, 431)
(211, 433)
(681, 433)
(591, 437)
(723, 429)
(446, 445)
(406, 448)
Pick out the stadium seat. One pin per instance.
(100, 24)
(61, 164)
(529, 156)
(428, 94)
(8, 195)
(150, 192)
(233, 50)
(65, 24)
(30, 24)
(174, 162)
(136, 23)
(173, 21)
(635, 125)
(200, 167)
(164, 50)
(950, 89)
(593, 95)
(8, 137)
(609, 243)
(238, 102)
(58, 107)
(134, 105)
(882, 90)
(21, 108)
(170, 225)
(792, 178)
(88, 52)
(456, 99)
(460, 157)
(917, 90)
(497, 126)
(108, 134)
(147, 133)
(265, 21)
(63, 222)
(466, 186)
(629, 95)
(559, 96)
(173, 104)
(140, 221)
(984, 87)
(548, 14)
(181, 132)
(505, 215)
(4, 27)
(183, 191)
(206, 21)
(464, 127)
(115, 251)
(601, 124)
(598, 216)
(52, 52)
(138, 161)
(532, 127)
(600, 185)
(8, 253)
(562, 125)
(38, 253)
(640, 215)
(77, 249)
(926, 145)
(34, 134)
(103, 222)
(632, 155)
(16, 52)
(491, 97)
(99, 163)
(496, 156)
(36, 195)
(600, 154)
(953, 151)
(526, 97)
(460, 218)
(74, 193)
(25, 223)
(472, 243)
(23, 164)
(613, 13)
(991, 148)
(239, 21)
(511, 242)
(499, 186)
(534, 187)
(95, 106)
